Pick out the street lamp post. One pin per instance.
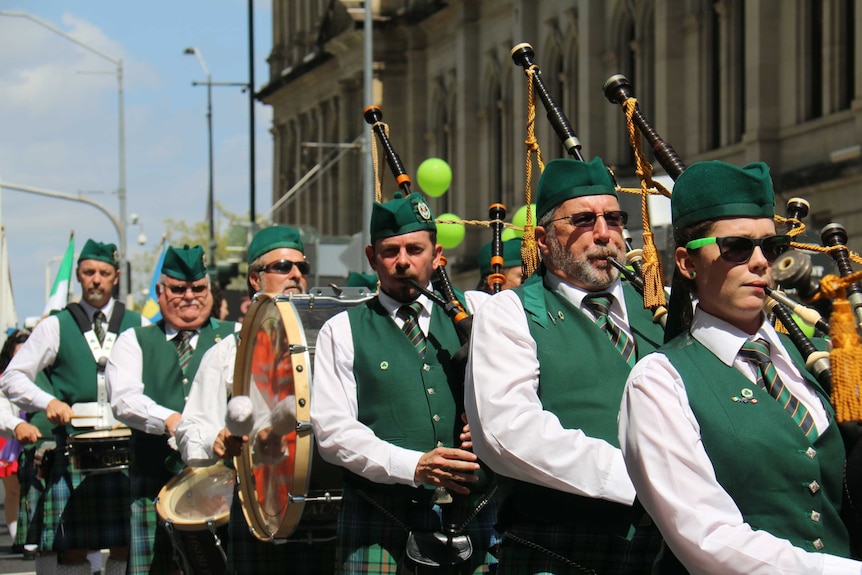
(121, 186)
(210, 195)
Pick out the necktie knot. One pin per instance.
(98, 326)
(410, 310)
(756, 351)
(599, 304)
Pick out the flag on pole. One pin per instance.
(63, 282)
(8, 316)
(151, 309)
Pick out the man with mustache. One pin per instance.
(384, 404)
(276, 265)
(72, 347)
(149, 376)
(547, 368)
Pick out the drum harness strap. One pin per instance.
(420, 546)
(100, 351)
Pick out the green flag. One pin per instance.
(60, 292)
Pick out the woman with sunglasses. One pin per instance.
(732, 447)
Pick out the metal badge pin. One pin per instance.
(384, 365)
(747, 396)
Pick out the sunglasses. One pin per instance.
(738, 249)
(181, 290)
(614, 219)
(285, 266)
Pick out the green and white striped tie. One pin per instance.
(600, 305)
(183, 341)
(757, 353)
(410, 327)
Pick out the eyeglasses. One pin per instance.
(285, 266)
(181, 290)
(614, 219)
(738, 249)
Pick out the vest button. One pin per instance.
(426, 367)
(814, 486)
(811, 452)
(430, 391)
(185, 381)
(818, 544)
(815, 516)
(435, 417)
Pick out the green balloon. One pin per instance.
(434, 177)
(450, 235)
(806, 329)
(509, 234)
(520, 218)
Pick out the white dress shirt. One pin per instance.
(511, 431)
(341, 438)
(126, 387)
(675, 479)
(37, 353)
(205, 410)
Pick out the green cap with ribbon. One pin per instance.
(564, 179)
(107, 253)
(713, 189)
(272, 238)
(401, 215)
(511, 255)
(184, 264)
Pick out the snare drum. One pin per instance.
(191, 506)
(286, 489)
(100, 450)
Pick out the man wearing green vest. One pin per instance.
(384, 407)
(511, 266)
(276, 265)
(81, 512)
(149, 376)
(547, 367)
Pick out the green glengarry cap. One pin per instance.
(401, 216)
(272, 238)
(511, 255)
(101, 252)
(185, 264)
(564, 179)
(714, 189)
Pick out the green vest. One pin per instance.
(760, 456)
(73, 373)
(405, 400)
(581, 381)
(152, 461)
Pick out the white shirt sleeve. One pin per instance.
(124, 374)
(511, 431)
(204, 412)
(341, 438)
(9, 417)
(676, 484)
(37, 353)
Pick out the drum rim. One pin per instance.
(118, 433)
(165, 497)
(301, 363)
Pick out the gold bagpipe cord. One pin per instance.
(529, 249)
(652, 272)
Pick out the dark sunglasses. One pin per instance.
(181, 290)
(615, 219)
(285, 266)
(738, 249)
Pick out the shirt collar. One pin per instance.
(576, 295)
(725, 340)
(391, 305)
(106, 309)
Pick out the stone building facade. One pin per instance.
(737, 80)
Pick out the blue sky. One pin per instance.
(59, 122)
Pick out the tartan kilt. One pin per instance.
(96, 515)
(151, 550)
(603, 553)
(32, 500)
(248, 555)
(372, 544)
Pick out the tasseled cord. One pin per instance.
(529, 248)
(846, 356)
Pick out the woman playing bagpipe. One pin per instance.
(732, 446)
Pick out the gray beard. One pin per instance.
(581, 269)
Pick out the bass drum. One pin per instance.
(286, 489)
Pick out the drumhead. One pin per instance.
(273, 366)
(197, 496)
(96, 434)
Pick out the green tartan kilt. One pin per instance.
(372, 544)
